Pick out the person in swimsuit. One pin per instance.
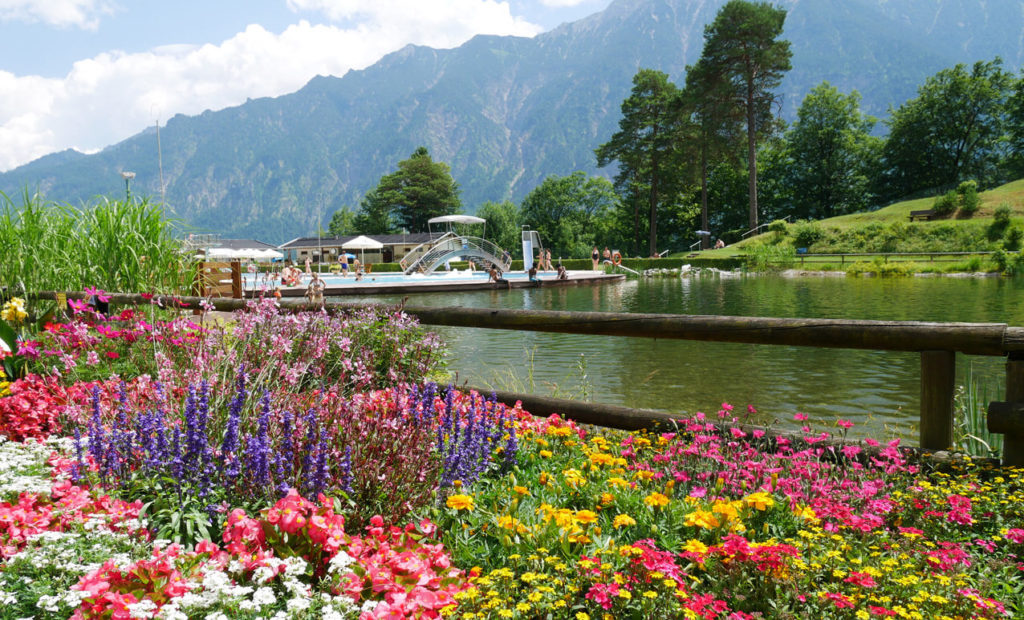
(595, 256)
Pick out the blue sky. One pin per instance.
(85, 74)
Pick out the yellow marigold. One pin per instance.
(621, 521)
(759, 501)
(656, 499)
(618, 482)
(695, 546)
(574, 478)
(586, 516)
(643, 474)
(460, 502)
(14, 311)
(545, 454)
(559, 431)
(521, 490)
(729, 510)
(702, 518)
(543, 478)
(602, 458)
(607, 498)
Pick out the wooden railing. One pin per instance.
(937, 344)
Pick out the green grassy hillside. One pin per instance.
(890, 230)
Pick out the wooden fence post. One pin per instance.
(1013, 443)
(236, 279)
(938, 376)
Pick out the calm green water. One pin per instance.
(877, 390)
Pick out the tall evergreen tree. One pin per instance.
(742, 48)
(419, 190)
(645, 147)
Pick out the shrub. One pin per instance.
(1014, 235)
(779, 227)
(806, 234)
(969, 201)
(946, 203)
(1002, 214)
(769, 257)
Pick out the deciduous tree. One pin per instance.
(950, 132)
(571, 213)
(831, 154)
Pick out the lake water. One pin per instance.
(877, 390)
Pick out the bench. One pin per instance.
(925, 214)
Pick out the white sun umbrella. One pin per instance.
(221, 253)
(267, 254)
(362, 242)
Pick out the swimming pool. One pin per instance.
(252, 282)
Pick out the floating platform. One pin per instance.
(396, 282)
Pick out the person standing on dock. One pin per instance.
(595, 256)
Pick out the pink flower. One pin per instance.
(845, 424)
(800, 417)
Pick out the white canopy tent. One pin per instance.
(361, 243)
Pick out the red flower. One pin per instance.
(112, 355)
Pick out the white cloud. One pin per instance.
(114, 95)
(63, 13)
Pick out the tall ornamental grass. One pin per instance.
(115, 245)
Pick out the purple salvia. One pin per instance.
(96, 427)
(346, 470)
(76, 470)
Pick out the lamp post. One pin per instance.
(127, 176)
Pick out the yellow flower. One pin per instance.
(582, 615)
(702, 518)
(643, 474)
(461, 502)
(14, 311)
(759, 501)
(521, 490)
(623, 521)
(601, 458)
(586, 516)
(607, 498)
(618, 482)
(559, 431)
(695, 546)
(574, 478)
(546, 454)
(656, 499)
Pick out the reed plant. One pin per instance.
(126, 246)
(970, 429)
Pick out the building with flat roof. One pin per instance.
(327, 249)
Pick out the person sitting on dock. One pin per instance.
(495, 276)
(533, 276)
(562, 273)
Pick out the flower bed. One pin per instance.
(265, 479)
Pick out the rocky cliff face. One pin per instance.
(505, 112)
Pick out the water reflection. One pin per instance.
(874, 389)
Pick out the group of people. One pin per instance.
(610, 257)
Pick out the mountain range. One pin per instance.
(505, 112)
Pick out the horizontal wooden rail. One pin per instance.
(935, 342)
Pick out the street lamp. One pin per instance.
(127, 176)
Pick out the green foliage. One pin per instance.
(779, 227)
(572, 213)
(832, 154)
(113, 245)
(969, 201)
(951, 131)
(1002, 215)
(970, 428)
(806, 234)
(646, 150)
(1014, 236)
(343, 223)
(503, 223)
(745, 60)
(419, 190)
(769, 257)
(946, 203)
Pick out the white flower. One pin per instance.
(142, 609)
(298, 604)
(340, 562)
(264, 596)
(49, 603)
(217, 615)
